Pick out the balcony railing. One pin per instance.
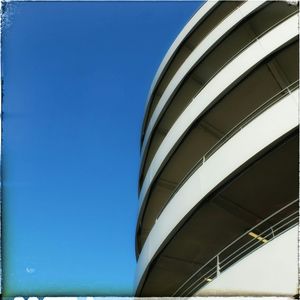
(259, 235)
(243, 50)
(276, 98)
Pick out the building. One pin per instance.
(218, 188)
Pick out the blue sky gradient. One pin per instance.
(76, 78)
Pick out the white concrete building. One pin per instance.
(218, 189)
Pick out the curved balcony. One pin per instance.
(168, 232)
(257, 53)
(204, 62)
(160, 199)
(200, 25)
(259, 235)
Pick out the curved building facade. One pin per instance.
(218, 182)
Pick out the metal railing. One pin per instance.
(242, 50)
(274, 99)
(259, 235)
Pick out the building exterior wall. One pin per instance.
(187, 219)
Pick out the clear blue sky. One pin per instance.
(76, 78)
